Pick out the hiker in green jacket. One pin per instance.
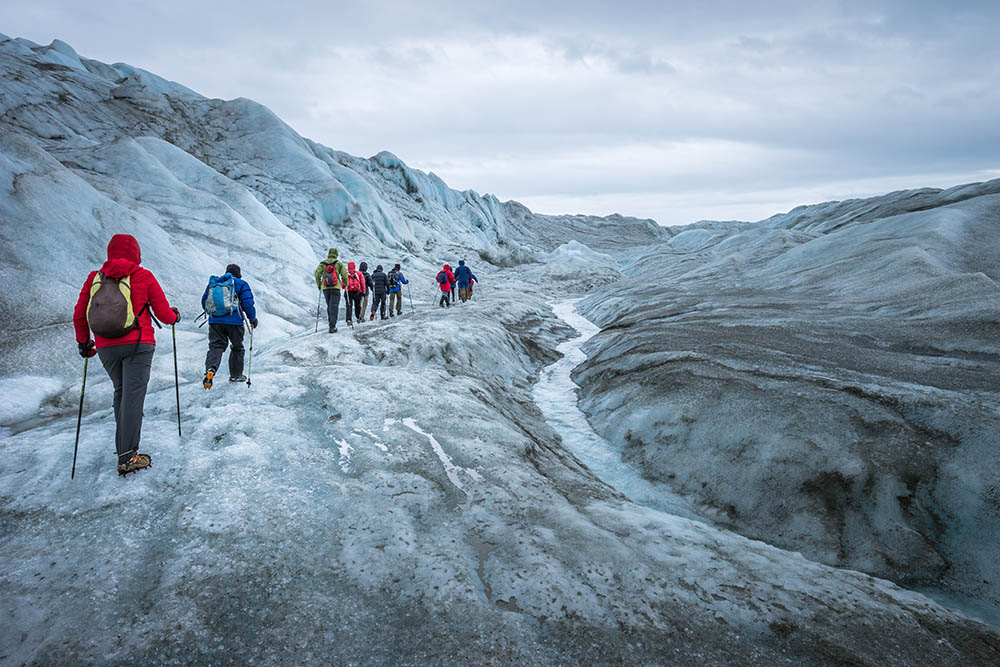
(331, 277)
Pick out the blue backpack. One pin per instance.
(222, 298)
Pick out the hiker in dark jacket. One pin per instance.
(330, 277)
(368, 289)
(127, 358)
(396, 282)
(464, 278)
(380, 287)
(225, 329)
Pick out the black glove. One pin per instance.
(253, 323)
(177, 313)
(87, 349)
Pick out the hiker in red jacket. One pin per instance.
(127, 344)
(445, 279)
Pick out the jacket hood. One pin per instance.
(378, 268)
(461, 262)
(350, 266)
(124, 256)
(332, 254)
(395, 267)
(447, 267)
(363, 267)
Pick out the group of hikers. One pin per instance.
(120, 302)
(356, 284)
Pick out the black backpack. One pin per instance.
(393, 280)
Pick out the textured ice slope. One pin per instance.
(824, 380)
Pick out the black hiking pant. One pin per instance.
(444, 300)
(128, 366)
(219, 338)
(332, 305)
(378, 303)
(354, 303)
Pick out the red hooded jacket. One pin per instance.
(123, 260)
(361, 277)
(446, 286)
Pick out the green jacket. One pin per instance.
(331, 258)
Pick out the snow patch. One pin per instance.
(24, 395)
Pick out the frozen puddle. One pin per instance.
(556, 394)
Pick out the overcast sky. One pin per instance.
(677, 111)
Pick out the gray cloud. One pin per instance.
(647, 101)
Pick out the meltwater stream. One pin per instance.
(556, 394)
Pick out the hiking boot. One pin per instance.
(137, 462)
(207, 380)
(372, 317)
(238, 378)
(333, 329)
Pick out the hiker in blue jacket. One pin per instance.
(464, 277)
(225, 300)
(396, 282)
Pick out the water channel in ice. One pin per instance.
(556, 394)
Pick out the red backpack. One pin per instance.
(331, 278)
(353, 282)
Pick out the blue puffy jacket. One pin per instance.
(463, 275)
(246, 304)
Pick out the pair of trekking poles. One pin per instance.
(177, 390)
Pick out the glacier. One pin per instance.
(807, 404)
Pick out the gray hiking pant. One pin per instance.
(129, 374)
(332, 305)
(219, 338)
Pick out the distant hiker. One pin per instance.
(355, 292)
(453, 289)
(115, 303)
(331, 276)
(445, 278)
(226, 299)
(396, 282)
(368, 288)
(464, 276)
(380, 286)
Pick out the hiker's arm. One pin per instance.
(246, 300)
(80, 311)
(204, 298)
(318, 276)
(158, 303)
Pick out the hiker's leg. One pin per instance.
(364, 303)
(237, 354)
(135, 378)
(218, 341)
(331, 313)
(111, 359)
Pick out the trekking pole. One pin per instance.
(79, 417)
(177, 383)
(250, 363)
(319, 300)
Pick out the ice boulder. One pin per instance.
(576, 261)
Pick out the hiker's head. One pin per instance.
(124, 246)
(378, 268)
(234, 270)
(461, 262)
(332, 254)
(447, 267)
(364, 266)
(350, 266)
(395, 267)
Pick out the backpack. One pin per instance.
(353, 282)
(331, 278)
(393, 280)
(109, 311)
(222, 299)
(442, 277)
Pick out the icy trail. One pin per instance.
(556, 395)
